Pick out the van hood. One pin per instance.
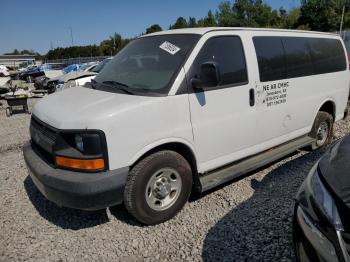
(334, 166)
(82, 107)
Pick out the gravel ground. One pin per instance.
(249, 219)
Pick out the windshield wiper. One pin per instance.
(121, 86)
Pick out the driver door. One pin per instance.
(223, 117)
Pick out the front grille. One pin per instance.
(47, 157)
(346, 238)
(42, 135)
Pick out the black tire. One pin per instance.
(323, 119)
(141, 175)
(8, 112)
(29, 79)
(26, 109)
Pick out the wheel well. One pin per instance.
(328, 107)
(180, 148)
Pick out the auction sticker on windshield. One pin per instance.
(169, 47)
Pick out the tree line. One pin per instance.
(316, 15)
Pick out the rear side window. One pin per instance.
(298, 57)
(290, 57)
(271, 59)
(227, 52)
(328, 55)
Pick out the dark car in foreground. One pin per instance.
(321, 227)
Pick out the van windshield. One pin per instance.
(147, 65)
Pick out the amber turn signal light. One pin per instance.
(81, 164)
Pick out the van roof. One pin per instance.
(204, 30)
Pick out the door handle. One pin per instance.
(251, 97)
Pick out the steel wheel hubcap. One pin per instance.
(322, 133)
(163, 189)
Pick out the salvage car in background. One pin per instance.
(49, 83)
(77, 78)
(41, 70)
(4, 71)
(321, 230)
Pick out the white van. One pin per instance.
(184, 110)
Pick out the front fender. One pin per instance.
(158, 143)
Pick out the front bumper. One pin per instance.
(79, 190)
(334, 250)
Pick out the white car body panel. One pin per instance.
(4, 71)
(125, 117)
(53, 73)
(219, 126)
(4, 81)
(83, 80)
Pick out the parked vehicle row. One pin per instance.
(34, 72)
(72, 75)
(79, 78)
(41, 82)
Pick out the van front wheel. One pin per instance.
(322, 130)
(158, 187)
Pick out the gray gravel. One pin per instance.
(13, 130)
(249, 219)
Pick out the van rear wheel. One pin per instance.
(322, 130)
(158, 187)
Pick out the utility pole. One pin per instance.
(114, 44)
(71, 35)
(342, 21)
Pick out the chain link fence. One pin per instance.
(77, 60)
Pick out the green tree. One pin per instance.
(247, 13)
(106, 48)
(180, 23)
(322, 15)
(225, 15)
(254, 13)
(116, 42)
(209, 20)
(192, 22)
(288, 20)
(292, 18)
(153, 28)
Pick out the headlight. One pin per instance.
(84, 150)
(70, 83)
(89, 144)
(324, 199)
(59, 85)
(79, 142)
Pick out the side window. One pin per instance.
(271, 59)
(227, 52)
(328, 55)
(298, 57)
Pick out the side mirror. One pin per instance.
(209, 75)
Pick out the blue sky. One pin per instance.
(35, 24)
